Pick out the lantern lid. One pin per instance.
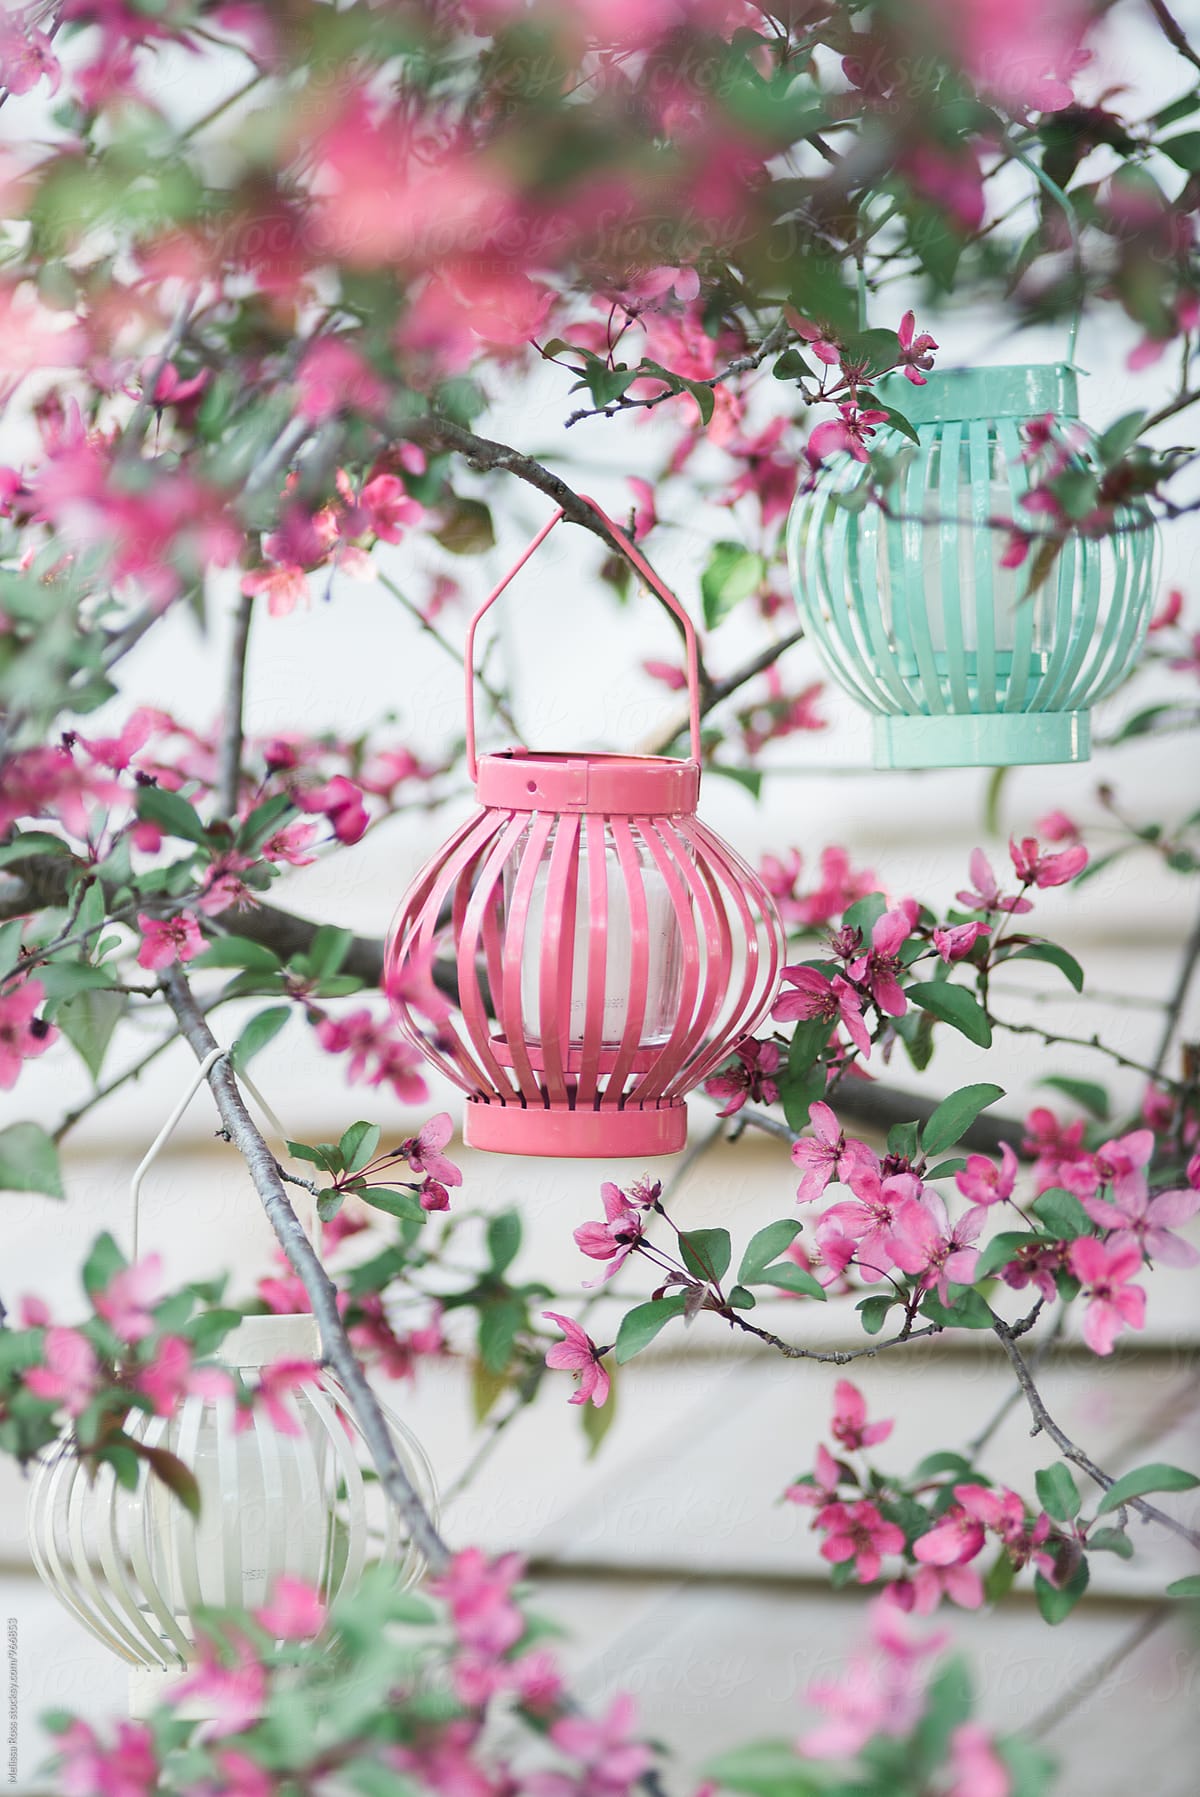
(629, 785)
(1026, 390)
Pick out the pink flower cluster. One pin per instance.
(23, 1034)
(377, 1054)
(893, 1222)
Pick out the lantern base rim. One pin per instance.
(576, 1135)
(984, 739)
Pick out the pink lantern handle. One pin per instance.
(652, 581)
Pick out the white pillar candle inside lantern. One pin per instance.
(664, 945)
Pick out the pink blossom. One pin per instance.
(275, 1384)
(1113, 1303)
(881, 965)
(333, 377)
(881, 1691)
(645, 515)
(822, 1489)
(849, 431)
(129, 1297)
(923, 1590)
(1003, 1512)
(1056, 1146)
(1035, 867)
(1056, 826)
(233, 1696)
(579, 1354)
(832, 1000)
(372, 1045)
(750, 1075)
(1037, 1265)
(1119, 1164)
(666, 671)
(614, 1762)
(166, 940)
(837, 888)
(955, 941)
(289, 844)
(988, 897)
(341, 802)
(129, 1768)
(1164, 619)
(1193, 1172)
(71, 1374)
(825, 1153)
(924, 1244)
(478, 1592)
(285, 588)
(388, 507)
(850, 1425)
(914, 350)
(26, 57)
(954, 1539)
(23, 1035)
(975, 1767)
(983, 1182)
(423, 1152)
(870, 1219)
(858, 1532)
(294, 1612)
(116, 752)
(617, 1237)
(1143, 1223)
(537, 1682)
(169, 1376)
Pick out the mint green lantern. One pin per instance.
(912, 612)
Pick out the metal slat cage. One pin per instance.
(962, 660)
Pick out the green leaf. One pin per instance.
(874, 1313)
(499, 1321)
(358, 1146)
(1177, 109)
(172, 813)
(742, 1299)
(1085, 1092)
(1188, 1587)
(1154, 1477)
(896, 420)
(1057, 1491)
(1057, 1601)
(396, 1203)
(10, 944)
(1110, 1541)
(966, 1309)
(503, 1240)
(597, 1420)
(764, 1769)
(263, 822)
(327, 951)
(239, 951)
(948, 1704)
(945, 1461)
(704, 397)
(764, 1247)
(798, 1092)
(29, 1161)
(904, 1139)
(329, 1203)
(104, 1260)
(640, 1326)
(865, 913)
(466, 527)
(706, 1252)
(955, 1115)
(1032, 1771)
(956, 1006)
(170, 1471)
(1183, 150)
(31, 842)
(1061, 1214)
(732, 574)
(88, 1021)
(945, 1169)
(261, 1029)
(786, 1276)
(1120, 437)
(1054, 955)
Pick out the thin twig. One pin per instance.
(1044, 1422)
(1174, 32)
(1053, 1040)
(830, 1356)
(302, 1258)
(716, 691)
(1090, 1683)
(1179, 992)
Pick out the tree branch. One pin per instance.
(1044, 1422)
(229, 766)
(302, 1258)
(716, 691)
(1174, 32)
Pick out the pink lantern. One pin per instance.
(610, 950)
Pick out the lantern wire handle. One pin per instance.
(652, 580)
(201, 1073)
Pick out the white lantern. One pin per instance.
(134, 1567)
